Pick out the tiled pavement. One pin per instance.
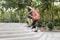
(19, 31)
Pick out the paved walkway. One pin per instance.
(19, 31)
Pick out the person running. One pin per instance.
(29, 19)
(34, 18)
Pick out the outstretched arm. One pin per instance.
(29, 7)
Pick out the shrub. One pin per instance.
(39, 23)
(50, 26)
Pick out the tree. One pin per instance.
(19, 4)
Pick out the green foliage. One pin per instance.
(56, 22)
(39, 23)
(50, 26)
(44, 7)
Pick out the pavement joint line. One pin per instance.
(18, 34)
(46, 37)
(52, 35)
(42, 35)
(14, 30)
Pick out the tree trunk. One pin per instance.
(20, 16)
(58, 17)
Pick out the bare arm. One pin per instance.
(30, 11)
(29, 7)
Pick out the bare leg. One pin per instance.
(29, 21)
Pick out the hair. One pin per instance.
(29, 9)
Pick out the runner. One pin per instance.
(29, 19)
(34, 17)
